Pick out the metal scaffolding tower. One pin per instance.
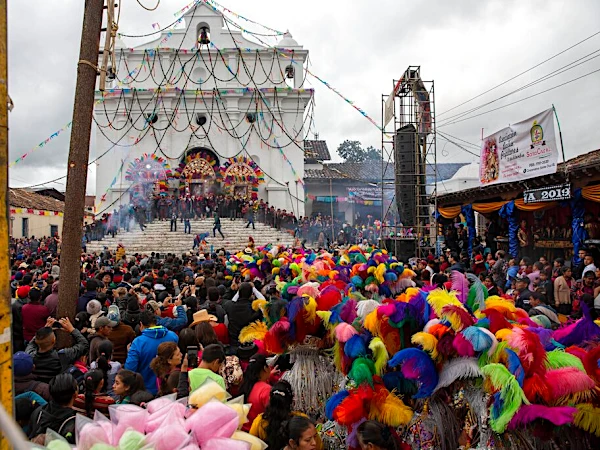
(408, 142)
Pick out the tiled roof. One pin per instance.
(21, 198)
(315, 151)
(371, 171)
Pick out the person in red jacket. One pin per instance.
(35, 314)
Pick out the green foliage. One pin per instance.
(352, 151)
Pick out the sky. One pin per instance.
(465, 46)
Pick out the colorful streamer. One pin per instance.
(40, 145)
(35, 212)
(68, 125)
(112, 183)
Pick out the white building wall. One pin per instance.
(39, 226)
(281, 187)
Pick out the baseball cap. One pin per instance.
(522, 278)
(103, 321)
(154, 305)
(478, 258)
(22, 364)
(23, 292)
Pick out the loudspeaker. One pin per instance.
(405, 155)
(402, 249)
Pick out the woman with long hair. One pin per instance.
(267, 426)
(126, 384)
(168, 358)
(205, 334)
(187, 338)
(301, 434)
(255, 387)
(107, 366)
(93, 398)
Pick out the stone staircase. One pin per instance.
(157, 237)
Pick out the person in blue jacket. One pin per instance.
(143, 348)
(178, 322)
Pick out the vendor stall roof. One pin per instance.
(581, 170)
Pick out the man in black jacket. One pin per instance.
(16, 308)
(58, 415)
(47, 360)
(240, 313)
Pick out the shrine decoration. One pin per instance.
(200, 165)
(149, 169)
(241, 170)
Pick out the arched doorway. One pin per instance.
(198, 172)
(241, 177)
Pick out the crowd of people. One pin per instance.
(311, 340)
(182, 209)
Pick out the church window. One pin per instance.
(201, 119)
(289, 72)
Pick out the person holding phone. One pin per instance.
(47, 360)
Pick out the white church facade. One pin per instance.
(203, 109)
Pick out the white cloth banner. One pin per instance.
(524, 150)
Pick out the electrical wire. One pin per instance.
(523, 99)
(147, 8)
(522, 73)
(533, 83)
(251, 76)
(478, 147)
(457, 145)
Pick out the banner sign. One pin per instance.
(524, 150)
(548, 194)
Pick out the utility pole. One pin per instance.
(79, 150)
(6, 381)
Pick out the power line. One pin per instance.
(522, 73)
(533, 83)
(457, 145)
(478, 147)
(525, 98)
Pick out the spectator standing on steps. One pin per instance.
(217, 225)
(187, 226)
(250, 216)
(174, 219)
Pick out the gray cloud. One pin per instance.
(466, 46)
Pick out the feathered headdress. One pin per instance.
(508, 396)
(417, 365)
(458, 368)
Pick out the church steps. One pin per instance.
(158, 238)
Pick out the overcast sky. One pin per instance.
(465, 46)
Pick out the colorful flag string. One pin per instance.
(99, 101)
(283, 52)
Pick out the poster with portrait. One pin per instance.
(526, 149)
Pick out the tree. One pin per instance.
(352, 151)
(372, 154)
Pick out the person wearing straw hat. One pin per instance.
(202, 316)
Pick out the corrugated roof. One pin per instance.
(315, 151)
(371, 171)
(21, 198)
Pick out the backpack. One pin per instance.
(79, 376)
